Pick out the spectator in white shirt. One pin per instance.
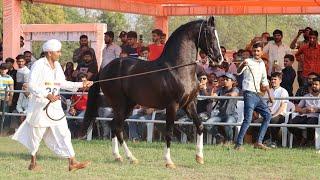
(22, 72)
(278, 108)
(276, 50)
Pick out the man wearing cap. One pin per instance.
(111, 51)
(227, 107)
(123, 38)
(46, 79)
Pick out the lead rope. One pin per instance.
(116, 78)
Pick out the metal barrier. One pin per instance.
(3, 113)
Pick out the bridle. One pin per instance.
(210, 55)
(210, 52)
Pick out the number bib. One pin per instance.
(52, 88)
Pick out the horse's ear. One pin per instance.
(211, 21)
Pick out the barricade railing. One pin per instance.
(4, 114)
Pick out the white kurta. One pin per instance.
(44, 80)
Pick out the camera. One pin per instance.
(140, 37)
(270, 38)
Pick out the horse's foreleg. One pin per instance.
(171, 116)
(192, 114)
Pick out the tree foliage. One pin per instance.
(116, 22)
(144, 25)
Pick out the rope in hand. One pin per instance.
(112, 79)
(64, 101)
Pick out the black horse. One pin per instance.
(171, 89)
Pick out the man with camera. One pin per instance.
(295, 44)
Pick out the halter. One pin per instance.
(210, 51)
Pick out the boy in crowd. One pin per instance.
(6, 81)
(227, 107)
(288, 74)
(79, 108)
(144, 53)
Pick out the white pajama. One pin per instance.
(57, 138)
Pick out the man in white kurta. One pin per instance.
(46, 79)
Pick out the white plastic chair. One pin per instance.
(240, 110)
(290, 109)
(150, 126)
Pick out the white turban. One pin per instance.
(51, 45)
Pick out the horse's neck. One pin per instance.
(180, 50)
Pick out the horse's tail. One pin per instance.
(92, 107)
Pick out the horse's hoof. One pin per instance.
(199, 159)
(134, 161)
(170, 166)
(118, 159)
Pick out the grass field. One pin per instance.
(220, 162)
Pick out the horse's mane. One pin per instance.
(183, 29)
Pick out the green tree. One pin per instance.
(116, 22)
(144, 26)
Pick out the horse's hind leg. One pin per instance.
(171, 112)
(192, 114)
(119, 123)
(115, 145)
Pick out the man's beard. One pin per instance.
(315, 90)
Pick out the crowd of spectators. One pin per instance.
(214, 80)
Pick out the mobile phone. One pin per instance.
(270, 38)
(140, 37)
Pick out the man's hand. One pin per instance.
(87, 84)
(310, 110)
(203, 86)
(271, 99)
(53, 98)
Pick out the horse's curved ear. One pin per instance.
(211, 21)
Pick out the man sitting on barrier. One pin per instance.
(278, 109)
(309, 113)
(227, 108)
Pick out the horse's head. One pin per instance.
(208, 41)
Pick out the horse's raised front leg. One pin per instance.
(171, 112)
(192, 114)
